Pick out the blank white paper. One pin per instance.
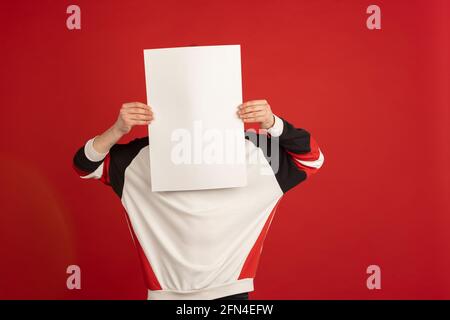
(194, 93)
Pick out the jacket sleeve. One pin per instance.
(90, 164)
(108, 167)
(299, 144)
(300, 156)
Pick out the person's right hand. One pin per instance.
(132, 114)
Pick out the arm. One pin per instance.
(299, 155)
(92, 159)
(299, 144)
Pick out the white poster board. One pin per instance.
(196, 140)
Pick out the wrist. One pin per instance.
(116, 132)
(277, 129)
(269, 123)
(92, 153)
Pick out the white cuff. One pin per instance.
(91, 153)
(277, 129)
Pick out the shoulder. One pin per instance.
(125, 152)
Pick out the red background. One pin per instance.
(376, 101)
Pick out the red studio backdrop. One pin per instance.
(375, 100)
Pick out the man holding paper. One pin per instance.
(199, 239)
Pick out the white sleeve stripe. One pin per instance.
(92, 154)
(277, 129)
(97, 174)
(313, 164)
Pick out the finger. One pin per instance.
(140, 122)
(254, 119)
(135, 105)
(253, 103)
(136, 110)
(252, 109)
(140, 117)
(141, 108)
(253, 114)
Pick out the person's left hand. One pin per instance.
(257, 111)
